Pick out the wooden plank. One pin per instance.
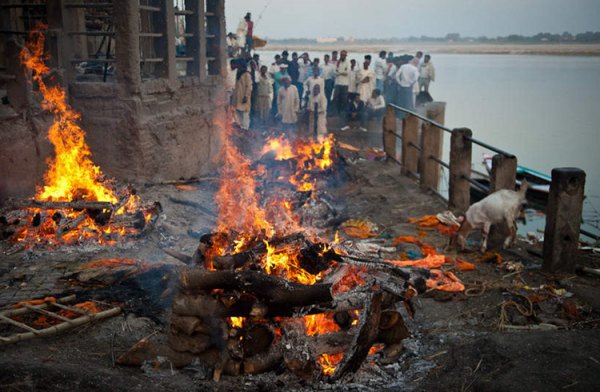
(459, 192)
(410, 138)
(563, 220)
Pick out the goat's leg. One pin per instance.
(512, 228)
(484, 236)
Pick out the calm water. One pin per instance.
(543, 109)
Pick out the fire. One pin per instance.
(319, 324)
(286, 261)
(71, 175)
(329, 362)
(236, 322)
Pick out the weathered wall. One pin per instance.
(162, 134)
(23, 152)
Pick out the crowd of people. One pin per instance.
(296, 87)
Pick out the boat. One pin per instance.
(537, 192)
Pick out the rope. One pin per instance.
(503, 323)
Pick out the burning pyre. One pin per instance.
(268, 288)
(76, 202)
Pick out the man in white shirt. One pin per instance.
(288, 105)
(340, 93)
(328, 74)
(352, 82)
(379, 69)
(407, 76)
(426, 73)
(310, 83)
(376, 105)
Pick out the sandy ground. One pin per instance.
(462, 48)
(455, 343)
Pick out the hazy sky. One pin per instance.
(403, 18)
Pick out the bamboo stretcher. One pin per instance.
(42, 309)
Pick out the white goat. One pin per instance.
(503, 205)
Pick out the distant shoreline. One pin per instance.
(449, 48)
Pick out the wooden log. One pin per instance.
(195, 344)
(58, 205)
(504, 173)
(563, 220)
(367, 335)
(432, 144)
(459, 191)
(390, 140)
(264, 362)
(186, 325)
(392, 329)
(410, 145)
(71, 225)
(238, 260)
(257, 340)
(270, 289)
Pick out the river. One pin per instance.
(544, 109)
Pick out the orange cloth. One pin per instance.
(444, 281)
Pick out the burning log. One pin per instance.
(70, 225)
(77, 205)
(239, 260)
(369, 328)
(274, 291)
(196, 344)
(263, 362)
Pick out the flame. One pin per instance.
(286, 261)
(329, 362)
(319, 324)
(71, 174)
(236, 322)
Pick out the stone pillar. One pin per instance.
(504, 173)
(196, 45)
(410, 139)
(459, 193)
(127, 27)
(164, 23)
(563, 220)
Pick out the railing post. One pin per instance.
(459, 197)
(563, 219)
(389, 133)
(410, 145)
(432, 145)
(504, 173)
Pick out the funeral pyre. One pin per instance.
(273, 286)
(77, 203)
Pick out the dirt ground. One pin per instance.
(455, 342)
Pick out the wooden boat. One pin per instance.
(537, 193)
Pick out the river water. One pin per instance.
(543, 109)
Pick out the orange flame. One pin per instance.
(71, 175)
(319, 324)
(329, 362)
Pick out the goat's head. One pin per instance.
(460, 238)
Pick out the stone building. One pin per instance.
(146, 76)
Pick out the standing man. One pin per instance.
(426, 74)
(278, 78)
(366, 82)
(242, 33)
(317, 110)
(294, 72)
(288, 105)
(352, 77)
(340, 94)
(328, 73)
(380, 68)
(264, 96)
(243, 95)
(249, 32)
(419, 56)
(314, 80)
(407, 76)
